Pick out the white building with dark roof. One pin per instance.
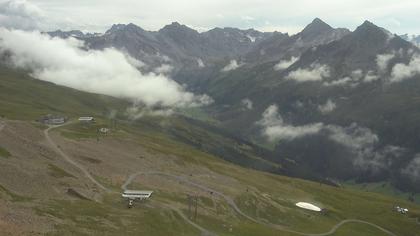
(86, 119)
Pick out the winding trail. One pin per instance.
(232, 203)
(2, 125)
(204, 232)
(228, 199)
(69, 159)
(53, 145)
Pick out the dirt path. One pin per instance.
(204, 232)
(337, 226)
(2, 125)
(232, 203)
(51, 142)
(69, 159)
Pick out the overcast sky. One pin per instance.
(268, 15)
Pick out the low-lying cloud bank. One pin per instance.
(284, 64)
(382, 61)
(247, 104)
(274, 128)
(328, 107)
(316, 72)
(360, 141)
(402, 71)
(354, 79)
(110, 72)
(412, 170)
(21, 14)
(233, 65)
(322, 73)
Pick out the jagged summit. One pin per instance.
(367, 25)
(316, 26)
(175, 26)
(124, 27)
(369, 30)
(318, 21)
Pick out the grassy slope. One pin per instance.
(25, 98)
(4, 153)
(276, 196)
(272, 202)
(383, 188)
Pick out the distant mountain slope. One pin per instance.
(281, 46)
(182, 47)
(355, 76)
(175, 44)
(25, 98)
(332, 82)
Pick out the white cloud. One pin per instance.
(361, 142)
(136, 112)
(412, 170)
(328, 107)
(370, 76)
(357, 74)
(339, 82)
(252, 39)
(164, 69)
(402, 71)
(382, 61)
(107, 72)
(20, 14)
(247, 103)
(274, 128)
(284, 64)
(353, 136)
(200, 63)
(316, 72)
(354, 79)
(233, 65)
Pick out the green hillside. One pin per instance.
(177, 156)
(23, 97)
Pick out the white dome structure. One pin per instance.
(308, 206)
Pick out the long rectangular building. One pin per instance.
(137, 194)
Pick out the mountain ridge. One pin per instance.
(299, 74)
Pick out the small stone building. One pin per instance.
(53, 120)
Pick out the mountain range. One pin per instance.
(337, 104)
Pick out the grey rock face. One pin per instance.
(174, 44)
(281, 46)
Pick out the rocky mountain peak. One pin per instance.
(317, 26)
(370, 31)
(177, 27)
(123, 27)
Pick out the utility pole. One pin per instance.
(196, 205)
(192, 202)
(189, 205)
